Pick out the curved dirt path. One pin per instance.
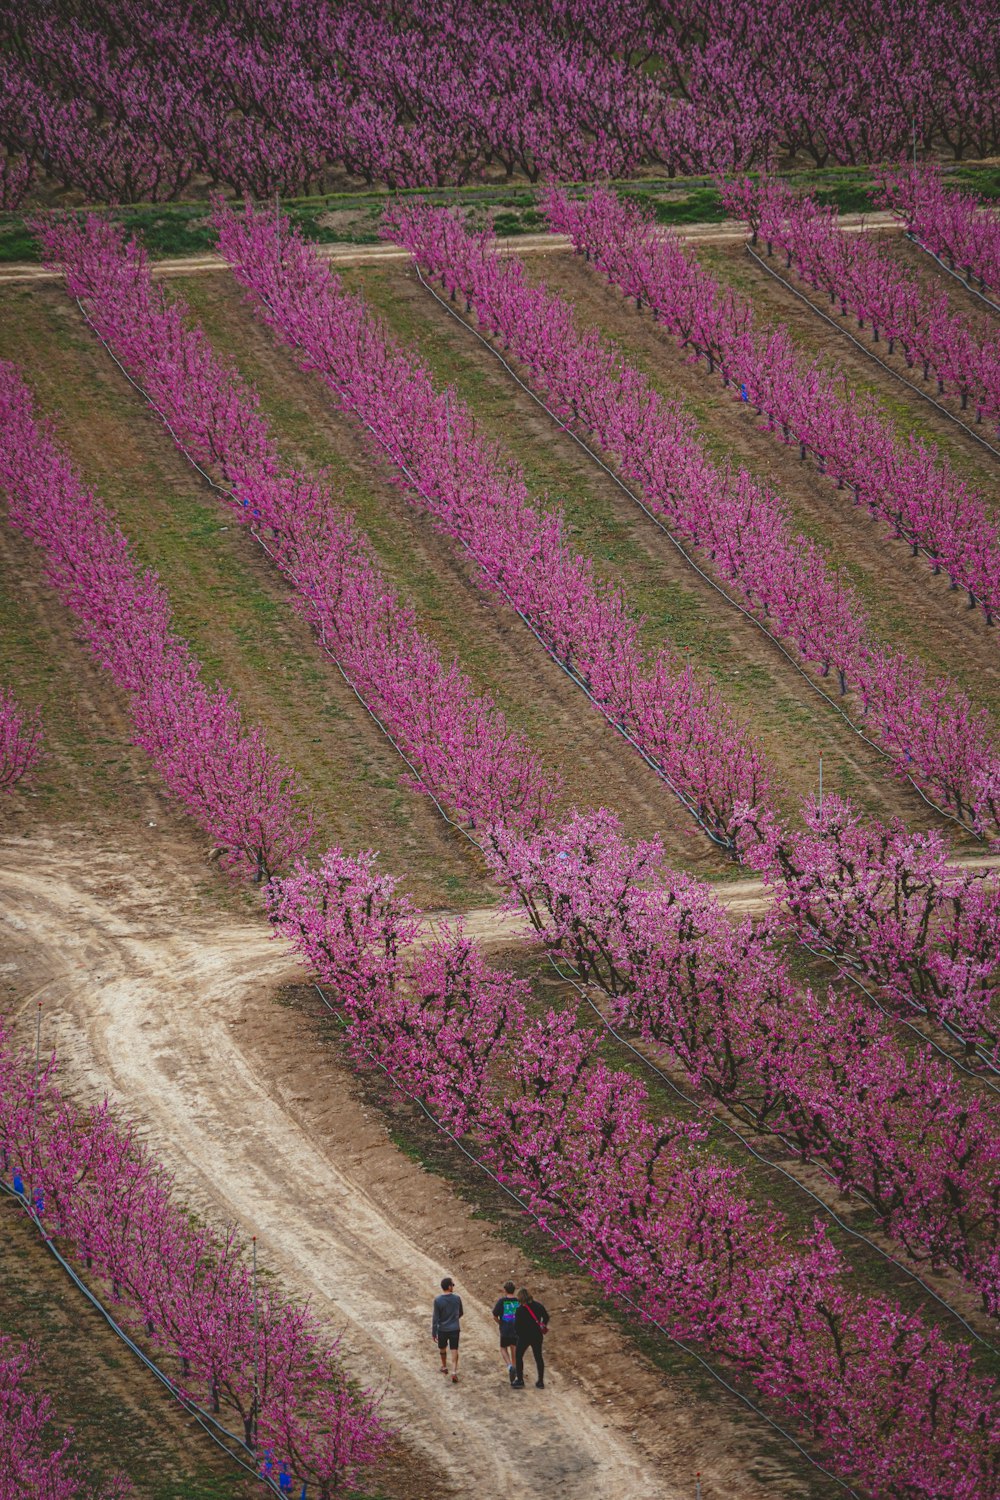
(151, 1011)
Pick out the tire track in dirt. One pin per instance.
(163, 1004)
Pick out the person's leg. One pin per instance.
(507, 1355)
(519, 1362)
(443, 1350)
(454, 1358)
(536, 1350)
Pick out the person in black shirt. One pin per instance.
(530, 1323)
(448, 1310)
(504, 1313)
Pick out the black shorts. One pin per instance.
(448, 1340)
(508, 1340)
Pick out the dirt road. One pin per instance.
(157, 1013)
(521, 244)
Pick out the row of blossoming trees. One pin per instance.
(186, 1291)
(270, 95)
(863, 279)
(38, 1452)
(956, 227)
(496, 781)
(654, 1216)
(594, 904)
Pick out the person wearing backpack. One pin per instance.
(504, 1314)
(531, 1324)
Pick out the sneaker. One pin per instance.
(454, 1380)
(517, 1384)
(539, 1385)
(512, 1372)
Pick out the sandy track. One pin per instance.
(741, 898)
(152, 1011)
(522, 244)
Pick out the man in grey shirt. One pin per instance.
(448, 1310)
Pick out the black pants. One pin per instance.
(534, 1343)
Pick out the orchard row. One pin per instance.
(281, 96)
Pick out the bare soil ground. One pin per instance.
(169, 1007)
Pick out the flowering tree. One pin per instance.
(906, 484)
(654, 1218)
(20, 741)
(222, 772)
(182, 1288)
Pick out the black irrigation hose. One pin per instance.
(910, 235)
(774, 1166)
(644, 1316)
(565, 427)
(229, 494)
(869, 351)
(223, 490)
(215, 1430)
(852, 974)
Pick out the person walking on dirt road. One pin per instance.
(531, 1323)
(504, 1313)
(445, 1326)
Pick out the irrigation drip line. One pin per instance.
(205, 1419)
(547, 1228)
(706, 1109)
(414, 483)
(850, 973)
(574, 677)
(230, 494)
(869, 351)
(748, 614)
(951, 271)
(647, 1062)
